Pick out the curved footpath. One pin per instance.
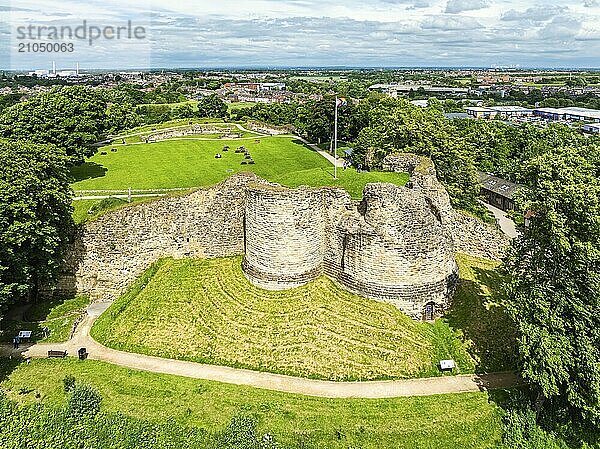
(269, 381)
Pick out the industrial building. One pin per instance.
(479, 112)
(570, 114)
(499, 111)
(581, 114)
(591, 128)
(512, 111)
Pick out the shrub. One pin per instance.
(241, 434)
(521, 431)
(69, 383)
(84, 401)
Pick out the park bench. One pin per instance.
(57, 354)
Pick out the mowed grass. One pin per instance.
(192, 163)
(206, 311)
(468, 420)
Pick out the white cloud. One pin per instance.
(335, 32)
(458, 6)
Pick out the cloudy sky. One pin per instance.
(301, 33)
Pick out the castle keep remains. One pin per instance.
(397, 245)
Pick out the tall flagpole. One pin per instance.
(335, 138)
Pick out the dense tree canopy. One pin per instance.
(212, 106)
(35, 217)
(71, 118)
(398, 126)
(554, 295)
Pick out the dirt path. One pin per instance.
(269, 381)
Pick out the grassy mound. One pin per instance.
(470, 420)
(206, 311)
(191, 163)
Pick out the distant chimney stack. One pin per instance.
(54, 67)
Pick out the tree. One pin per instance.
(35, 217)
(71, 118)
(184, 111)
(212, 106)
(398, 126)
(121, 116)
(554, 294)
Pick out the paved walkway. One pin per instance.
(506, 224)
(276, 382)
(325, 154)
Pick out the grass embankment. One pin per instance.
(191, 163)
(206, 311)
(58, 315)
(85, 210)
(478, 313)
(170, 124)
(459, 420)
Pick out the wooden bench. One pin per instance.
(57, 354)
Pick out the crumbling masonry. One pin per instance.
(397, 245)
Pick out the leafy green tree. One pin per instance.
(212, 106)
(398, 126)
(150, 113)
(9, 100)
(71, 118)
(35, 217)
(184, 111)
(554, 294)
(121, 116)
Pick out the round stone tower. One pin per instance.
(284, 236)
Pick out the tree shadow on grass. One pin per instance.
(7, 366)
(478, 312)
(88, 170)
(301, 143)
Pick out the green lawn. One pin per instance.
(183, 163)
(234, 107)
(192, 103)
(470, 420)
(58, 315)
(206, 311)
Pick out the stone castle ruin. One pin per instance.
(397, 245)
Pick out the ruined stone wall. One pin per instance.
(192, 130)
(469, 234)
(111, 252)
(397, 245)
(396, 250)
(392, 247)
